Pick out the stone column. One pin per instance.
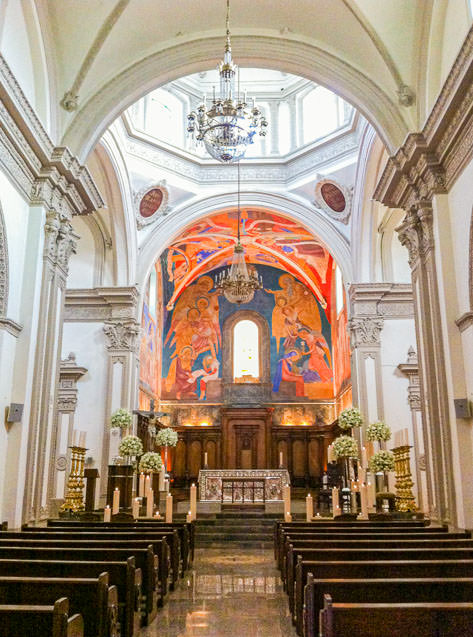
(69, 374)
(416, 233)
(122, 343)
(59, 244)
(274, 127)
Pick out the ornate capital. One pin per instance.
(60, 241)
(122, 335)
(365, 330)
(413, 397)
(416, 231)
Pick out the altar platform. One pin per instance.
(242, 486)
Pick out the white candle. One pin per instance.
(82, 435)
(157, 515)
(286, 494)
(189, 517)
(364, 458)
(135, 508)
(141, 488)
(280, 459)
(169, 508)
(364, 502)
(287, 516)
(330, 455)
(335, 501)
(75, 438)
(147, 485)
(116, 501)
(361, 474)
(149, 503)
(166, 484)
(206, 458)
(161, 478)
(406, 436)
(371, 488)
(309, 508)
(354, 504)
(193, 498)
(397, 442)
(107, 514)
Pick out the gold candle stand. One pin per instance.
(405, 500)
(74, 500)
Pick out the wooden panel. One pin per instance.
(314, 463)
(195, 457)
(211, 449)
(180, 459)
(298, 458)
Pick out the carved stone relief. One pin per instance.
(365, 330)
(122, 335)
(3, 267)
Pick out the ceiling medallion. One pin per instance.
(227, 123)
(151, 202)
(237, 284)
(334, 199)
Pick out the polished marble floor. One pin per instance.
(229, 592)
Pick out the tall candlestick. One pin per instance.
(135, 508)
(335, 501)
(206, 459)
(280, 459)
(309, 507)
(286, 494)
(169, 508)
(147, 485)
(330, 455)
(364, 458)
(189, 517)
(141, 487)
(371, 488)
(364, 502)
(149, 503)
(287, 516)
(116, 501)
(161, 478)
(361, 474)
(107, 514)
(193, 499)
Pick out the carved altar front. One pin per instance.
(211, 484)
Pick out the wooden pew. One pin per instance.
(123, 575)
(40, 621)
(396, 620)
(93, 598)
(368, 570)
(391, 591)
(371, 555)
(186, 530)
(179, 549)
(145, 560)
(160, 549)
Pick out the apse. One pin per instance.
(288, 344)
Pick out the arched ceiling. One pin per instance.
(268, 238)
(362, 49)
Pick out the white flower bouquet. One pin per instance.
(121, 419)
(345, 447)
(382, 461)
(130, 446)
(350, 418)
(150, 461)
(166, 437)
(378, 431)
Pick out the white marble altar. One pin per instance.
(211, 480)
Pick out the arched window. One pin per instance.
(246, 351)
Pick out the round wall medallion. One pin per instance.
(334, 199)
(61, 463)
(150, 203)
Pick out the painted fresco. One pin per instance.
(300, 349)
(150, 346)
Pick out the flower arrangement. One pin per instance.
(378, 431)
(350, 418)
(150, 461)
(121, 419)
(130, 446)
(345, 447)
(166, 437)
(382, 461)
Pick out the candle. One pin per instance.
(286, 493)
(147, 485)
(116, 501)
(406, 437)
(280, 459)
(361, 474)
(161, 478)
(364, 458)
(193, 498)
(166, 484)
(107, 514)
(169, 508)
(354, 504)
(135, 508)
(82, 435)
(149, 503)
(335, 501)
(189, 517)
(157, 515)
(330, 454)
(206, 458)
(75, 438)
(309, 507)
(141, 488)
(287, 516)
(364, 502)
(371, 488)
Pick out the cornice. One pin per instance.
(100, 304)
(465, 321)
(10, 326)
(33, 162)
(386, 300)
(430, 161)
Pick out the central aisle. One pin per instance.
(229, 592)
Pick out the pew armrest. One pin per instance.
(75, 626)
(326, 618)
(113, 623)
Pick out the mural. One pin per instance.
(150, 359)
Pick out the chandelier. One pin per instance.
(237, 284)
(227, 123)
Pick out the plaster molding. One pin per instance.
(10, 326)
(320, 202)
(365, 330)
(100, 304)
(47, 175)
(384, 300)
(465, 321)
(3, 267)
(121, 335)
(163, 210)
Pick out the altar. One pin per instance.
(242, 485)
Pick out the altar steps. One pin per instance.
(245, 529)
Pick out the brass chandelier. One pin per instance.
(227, 123)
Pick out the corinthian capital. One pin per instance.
(122, 335)
(365, 330)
